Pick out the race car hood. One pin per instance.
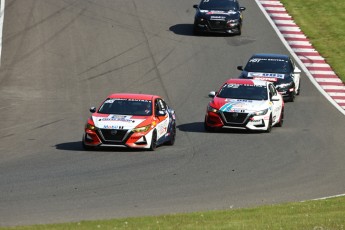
(219, 15)
(238, 105)
(272, 77)
(113, 121)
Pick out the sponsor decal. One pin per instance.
(217, 18)
(113, 127)
(266, 79)
(265, 75)
(229, 107)
(123, 118)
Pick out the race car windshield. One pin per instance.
(266, 65)
(247, 92)
(224, 5)
(126, 107)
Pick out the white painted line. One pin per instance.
(301, 43)
(283, 15)
(317, 65)
(309, 51)
(340, 100)
(335, 87)
(323, 73)
(288, 22)
(276, 9)
(2, 15)
(295, 36)
(286, 28)
(328, 197)
(315, 58)
(334, 80)
(334, 94)
(271, 3)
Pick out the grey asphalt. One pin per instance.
(60, 57)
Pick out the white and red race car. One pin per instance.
(130, 120)
(245, 104)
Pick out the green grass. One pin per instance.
(323, 22)
(314, 215)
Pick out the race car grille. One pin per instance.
(235, 118)
(216, 24)
(116, 135)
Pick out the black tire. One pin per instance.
(281, 119)
(173, 136)
(269, 128)
(153, 145)
(239, 30)
(292, 98)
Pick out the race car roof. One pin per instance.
(241, 81)
(270, 55)
(133, 96)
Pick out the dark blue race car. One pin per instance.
(218, 16)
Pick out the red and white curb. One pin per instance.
(312, 63)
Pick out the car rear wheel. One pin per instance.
(153, 145)
(172, 136)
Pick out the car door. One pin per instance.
(276, 104)
(296, 75)
(162, 115)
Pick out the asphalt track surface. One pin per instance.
(60, 57)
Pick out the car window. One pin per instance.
(126, 107)
(273, 91)
(268, 65)
(160, 105)
(224, 5)
(248, 92)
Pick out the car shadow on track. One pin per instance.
(187, 30)
(77, 146)
(198, 127)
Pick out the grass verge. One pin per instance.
(323, 22)
(314, 215)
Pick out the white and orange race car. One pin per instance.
(130, 120)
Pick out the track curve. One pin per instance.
(60, 57)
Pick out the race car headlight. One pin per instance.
(142, 129)
(233, 22)
(261, 112)
(284, 85)
(211, 109)
(89, 126)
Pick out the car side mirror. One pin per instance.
(240, 67)
(93, 109)
(242, 8)
(212, 94)
(195, 6)
(275, 98)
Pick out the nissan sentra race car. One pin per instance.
(245, 104)
(130, 120)
(277, 68)
(218, 16)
